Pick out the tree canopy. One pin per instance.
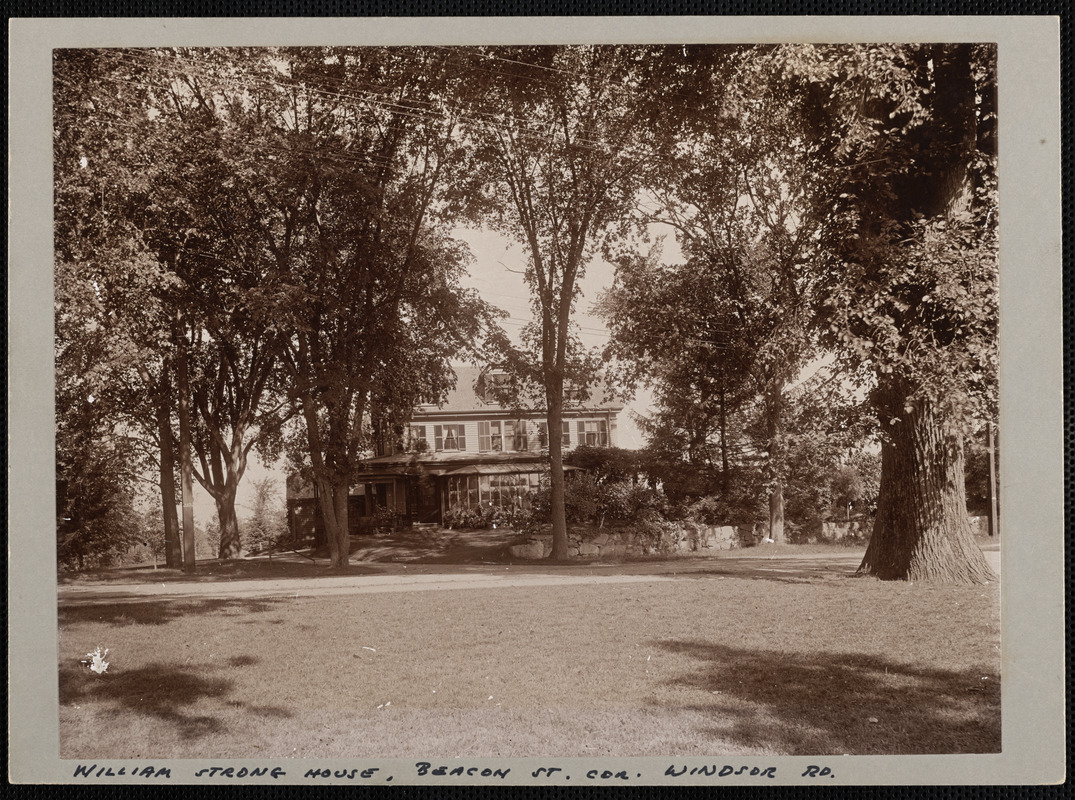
(250, 235)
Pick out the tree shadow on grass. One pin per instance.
(125, 610)
(835, 703)
(287, 567)
(782, 569)
(166, 693)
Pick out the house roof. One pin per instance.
(465, 399)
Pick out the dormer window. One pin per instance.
(493, 383)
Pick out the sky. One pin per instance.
(497, 274)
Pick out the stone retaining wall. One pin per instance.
(687, 537)
(618, 543)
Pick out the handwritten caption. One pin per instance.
(427, 769)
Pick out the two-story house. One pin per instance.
(465, 452)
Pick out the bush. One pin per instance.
(732, 509)
(627, 501)
(385, 520)
(488, 516)
(658, 534)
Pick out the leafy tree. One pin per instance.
(976, 471)
(670, 330)
(211, 242)
(731, 323)
(109, 286)
(606, 464)
(909, 273)
(143, 216)
(96, 464)
(268, 519)
(824, 425)
(562, 141)
(365, 285)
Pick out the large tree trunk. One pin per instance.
(226, 468)
(556, 474)
(186, 466)
(921, 530)
(230, 544)
(334, 500)
(723, 442)
(776, 513)
(774, 409)
(173, 552)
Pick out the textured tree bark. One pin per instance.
(230, 544)
(333, 500)
(556, 476)
(774, 409)
(776, 514)
(186, 468)
(340, 495)
(921, 530)
(723, 441)
(173, 552)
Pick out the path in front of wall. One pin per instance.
(416, 578)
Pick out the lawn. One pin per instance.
(730, 656)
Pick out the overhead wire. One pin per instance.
(433, 112)
(522, 127)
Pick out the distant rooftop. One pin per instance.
(465, 396)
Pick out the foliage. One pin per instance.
(96, 521)
(365, 286)
(563, 144)
(606, 464)
(385, 519)
(910, 275)
(490, 516)
(267, 524)
(909, 268)
(279, 220)
(147, 214)
(743, 508)
(97, 465)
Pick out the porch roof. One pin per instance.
(500, 469)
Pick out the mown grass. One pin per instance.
(733, 658)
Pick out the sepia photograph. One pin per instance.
(463, 403)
